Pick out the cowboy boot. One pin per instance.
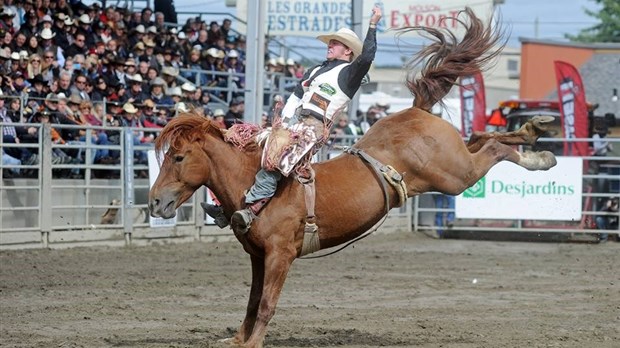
(216, 212)
(242, 219)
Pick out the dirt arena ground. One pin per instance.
(396, 290)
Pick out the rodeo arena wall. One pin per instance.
(67, 194)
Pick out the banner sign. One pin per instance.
(573, 108)
(473, 104)
(509, 191)
(317, 17)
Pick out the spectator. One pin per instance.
(202, 42)
(610, 221)
(46, 42)
(150, 116)
(32, 45)
(48, 65)
(188, 89)
(30, 27)
(6, 20)
(37, 91)
(214, 33)
(17, 135)
(58, 155)
(169, 74)
(218, 118)
(235, 112)
(4, 58)
(85, 27)
(205, 99)
(130, 118)
(175, 94)
(130, 67)
(64, 83)
(225, 28)
(34, 66)
(159, 21)
(19, 82)
(136, 35)
(79, 87)
(100, 89)
(157, 92)
(341, 130)
(134, 93)
(146, 17)
(152, 73)
(77, 47)
(235, 67)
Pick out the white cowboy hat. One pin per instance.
(47, 34)
(188, 87)
(85, 19)
(218, 112)
(129, 108)
(213, 52)
(135, 78)
(181, 107)
(347, 37)
(175, 91)
(233, 54)
(170, 71)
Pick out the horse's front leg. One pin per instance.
(277, 265)
(256, 292)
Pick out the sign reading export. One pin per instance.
(512, 192)
(316, 17)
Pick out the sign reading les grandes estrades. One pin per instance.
(316, 17)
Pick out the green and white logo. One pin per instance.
(327, 89)
(478, 190)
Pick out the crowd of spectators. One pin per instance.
(60, 60)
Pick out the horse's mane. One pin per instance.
(447, 59)
(184, 128)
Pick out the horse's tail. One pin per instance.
(447, 59)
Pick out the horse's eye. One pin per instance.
(178, 158)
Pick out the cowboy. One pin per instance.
(322, 94)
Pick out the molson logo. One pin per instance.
(478, 190)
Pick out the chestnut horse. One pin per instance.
(426, 150)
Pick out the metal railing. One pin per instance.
(55, 202)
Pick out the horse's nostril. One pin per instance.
(152, 204)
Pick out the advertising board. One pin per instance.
(509, 191)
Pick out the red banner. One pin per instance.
(573, 108)
(473, 104)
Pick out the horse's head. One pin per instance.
(185, 163)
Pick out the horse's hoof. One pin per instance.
(543, 119)
(539, 120)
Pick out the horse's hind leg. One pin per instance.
(527, 134)
(493, 152)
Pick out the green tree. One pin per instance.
(608, 30)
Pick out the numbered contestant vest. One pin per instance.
(324, 96)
